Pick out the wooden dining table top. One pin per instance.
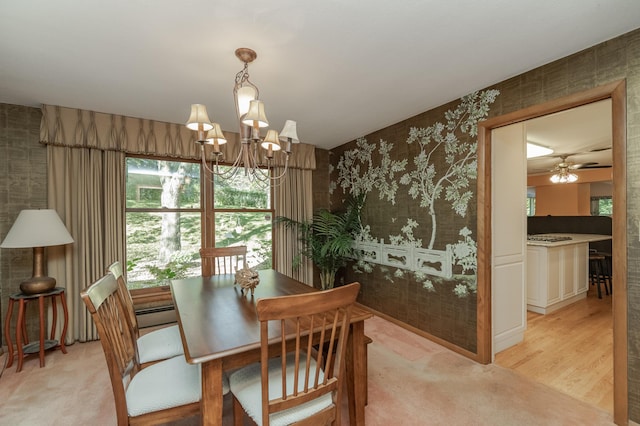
(217, 320)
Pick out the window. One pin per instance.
(531, 206)
(164, 212)
(163, 221)
(602, 206)
(243, 212)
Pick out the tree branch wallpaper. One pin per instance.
(418, 219)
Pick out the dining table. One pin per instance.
(220, 331)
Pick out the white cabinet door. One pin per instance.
(508, 258)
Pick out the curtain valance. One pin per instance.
(110, 132)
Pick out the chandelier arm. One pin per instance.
(284, 172)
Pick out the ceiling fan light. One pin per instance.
(563, 176)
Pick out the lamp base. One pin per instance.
(37, 285)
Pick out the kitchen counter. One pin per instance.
(556, 240)
(558, 269)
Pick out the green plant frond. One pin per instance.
(328, 237)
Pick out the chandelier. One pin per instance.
(256, 155)
(563, 173)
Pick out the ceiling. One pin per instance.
(341, 69)
(582, 134)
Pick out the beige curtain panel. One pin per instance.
(109, 132)
(86, 188)
(293, 199)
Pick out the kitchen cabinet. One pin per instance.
(558, 270)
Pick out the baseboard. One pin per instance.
(152, 317)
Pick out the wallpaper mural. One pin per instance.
(413, 190)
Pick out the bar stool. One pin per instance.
(596, 272)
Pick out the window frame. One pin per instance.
(161, 294)
(208, 199)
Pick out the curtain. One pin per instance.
(86, 187)
(293, 198)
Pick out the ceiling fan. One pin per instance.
(570, 165)
(562, 171)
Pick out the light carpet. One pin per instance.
(412, 381)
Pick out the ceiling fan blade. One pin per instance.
(598, 166)
(583, 165)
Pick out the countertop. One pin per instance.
(574, 239)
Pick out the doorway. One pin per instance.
(616, 91)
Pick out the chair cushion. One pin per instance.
(245, 385)
(160, 344)
(166, 384)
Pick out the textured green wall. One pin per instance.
(23, 185)
(453, 318)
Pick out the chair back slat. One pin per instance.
(222, 260)
(313, 329)
(123, 291)
(108, 313)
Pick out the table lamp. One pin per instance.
(37, 229)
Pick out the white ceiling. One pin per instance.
(340, 68)
(582, 134)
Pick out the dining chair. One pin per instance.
(165, 391)
(222, 260)
(156, 345)
(300, 385)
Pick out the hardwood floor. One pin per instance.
(570, 350)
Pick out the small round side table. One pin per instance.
(24, 348)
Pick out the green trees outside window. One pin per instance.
(164, 211)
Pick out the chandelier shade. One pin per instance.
(244, 95)
(271, 141)
(256, 115)
(199, 117)
(256, 154)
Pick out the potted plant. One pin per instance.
(328, 239)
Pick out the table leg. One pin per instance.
(42, 329)
(63, 336)
(20, 333)
(356, 373)
(7, 333)
(54, 322)
(211, 403)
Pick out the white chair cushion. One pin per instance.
(160, 344)
(166, 384)
(246, 386)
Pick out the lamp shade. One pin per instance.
(244, 96)
(289, 132)
(271, 141)
(215, 135)
(199, 116)
(256, 114)
(37, 228)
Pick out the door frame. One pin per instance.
(616, 91)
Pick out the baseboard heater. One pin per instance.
(158, 315)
